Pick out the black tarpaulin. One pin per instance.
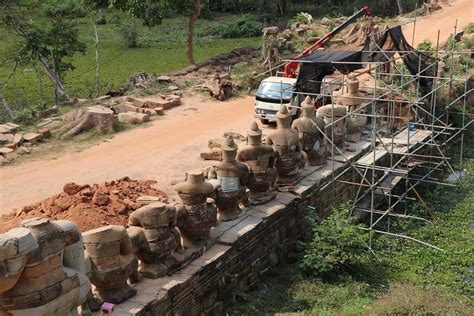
(314, 67)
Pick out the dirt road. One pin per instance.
(162, 152)
(443, 20)
(171, 146)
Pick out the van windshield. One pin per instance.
(274, 91)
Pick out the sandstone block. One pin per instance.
(45, 132)
(133, 117)
(164, 79)
(17, 138)
(164, 104)
(9, 137)
(32, 137)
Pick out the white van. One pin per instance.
(272, 92)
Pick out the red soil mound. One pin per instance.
(88, 206)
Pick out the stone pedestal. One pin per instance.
(308, 127)
(286, 143)
(335, 118)
(112, 262)
(232, 176)
(260, 158)
(155, 238)
(196, 215)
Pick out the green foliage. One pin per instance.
(426, 46)
(130, 32)
(470, 28)
(242, 26)
(338, 244)
(299, 18)
(66, 8)
(27, 115)
(331, 25)
(149, 11)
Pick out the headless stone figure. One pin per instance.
(155, 238)
(286, 143)
(261, 160)
(353, 100)
(335, 132)
(42, 269)
(196, 215)
(112, 262)
(232, 177)
(309, 135)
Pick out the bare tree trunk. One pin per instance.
(59, 87)
(6, 106)
(192, 23)
(400, 7)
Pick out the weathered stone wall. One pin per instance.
(246, 248)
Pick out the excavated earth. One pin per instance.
(89, 206)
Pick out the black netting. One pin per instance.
(314, 67)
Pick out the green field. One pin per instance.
(162, 51)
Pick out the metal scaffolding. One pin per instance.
(402, 155)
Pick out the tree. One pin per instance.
(150, 12)
(46, 45)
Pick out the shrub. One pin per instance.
(426, 46)
(299, 18)
(470, 28)
(66, 8)
(130, 33)
(338, 244)
(243, 26)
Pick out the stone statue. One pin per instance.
(335, 132)
(285, 141)
(154, 237)
(232, 176)
(353, 100)
(261, 160)
(42, 269)
(196, 215)
(309, 134)
(112, 262)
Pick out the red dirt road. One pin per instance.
(443, 20)
(162, 152)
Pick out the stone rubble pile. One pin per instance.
(90, 206)
(14, 142)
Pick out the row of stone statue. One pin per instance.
(47, 267)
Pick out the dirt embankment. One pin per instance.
(89, 206)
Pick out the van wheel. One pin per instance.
(264, 122)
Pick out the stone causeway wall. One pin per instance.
(47, 267)
(246, 248)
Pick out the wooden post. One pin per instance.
(96, 61)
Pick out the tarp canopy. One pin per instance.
(314, 67)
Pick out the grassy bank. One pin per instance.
(407, 278)
(162, 49)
